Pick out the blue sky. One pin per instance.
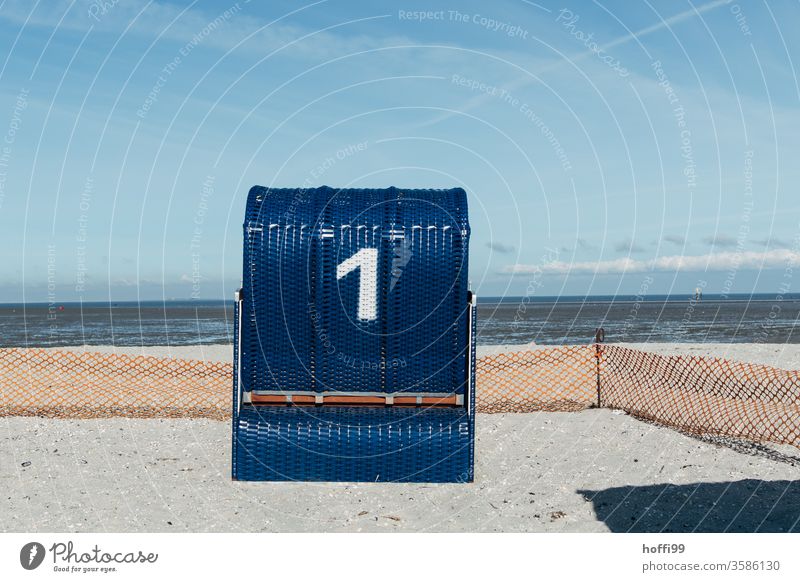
(609, 147)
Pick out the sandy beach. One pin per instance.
(786, 356)
(588, 471)
(594, 470)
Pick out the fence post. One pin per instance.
(599, 336)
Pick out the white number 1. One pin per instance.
(367, 261)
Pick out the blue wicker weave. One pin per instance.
(354, 294)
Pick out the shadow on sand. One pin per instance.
(750, 505)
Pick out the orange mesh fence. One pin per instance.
(562, 378)
(703, 395)
(695, 394)
(61, 384)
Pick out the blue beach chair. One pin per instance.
(354, 345)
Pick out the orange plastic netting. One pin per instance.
(62, 384)
(695, 394)
(703, 395)
(559, 378)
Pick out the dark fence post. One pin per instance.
(599, 337)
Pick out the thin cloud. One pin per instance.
(499, 247)
(725, 261)
(675, 239)
(628, 246)
(230, 25)
(773, 242)
(581, 244)
(685, 15)
(123, 282)
(721, 240)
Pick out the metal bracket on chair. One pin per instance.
(472, 301)
(238, 297)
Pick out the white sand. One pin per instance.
(786, 356)
(534, 472)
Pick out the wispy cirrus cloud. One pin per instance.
(675, 239)
(523, 81)
(581, 244)
(499, 247)
(229, 23)
(772, 242)
(721, 240)
(773, 259)
(628, 246)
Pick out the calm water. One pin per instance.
(570, 320)
(121, 324)
(508, 320)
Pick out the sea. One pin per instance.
(501, 320)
